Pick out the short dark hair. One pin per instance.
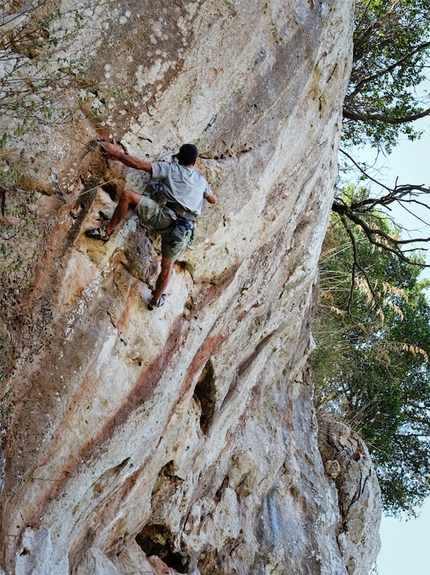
(187, 155)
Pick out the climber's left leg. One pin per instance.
(162, 281)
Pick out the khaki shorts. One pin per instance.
(163, 219)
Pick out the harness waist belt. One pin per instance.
(180, 211)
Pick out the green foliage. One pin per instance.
(371, 364)
(391, 54)
(18, 235)
(31, 77)
(32, 72)
(18, 229)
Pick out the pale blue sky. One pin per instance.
(406, 544)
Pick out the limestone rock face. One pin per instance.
(181, 440)
(347, 462)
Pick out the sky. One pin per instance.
(406, 544)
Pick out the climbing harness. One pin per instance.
(191, 232)
(184, 221)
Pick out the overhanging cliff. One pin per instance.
(184, 439)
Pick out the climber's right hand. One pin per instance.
(112, 149)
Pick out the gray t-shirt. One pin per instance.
(184, 186)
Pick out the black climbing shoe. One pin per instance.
(161, 302)
(98, 234)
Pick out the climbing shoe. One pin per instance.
(98, 234)
(161, 302)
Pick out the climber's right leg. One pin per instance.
(128, 199)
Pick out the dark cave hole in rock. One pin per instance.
(204, 393)
(157, 540)
(166, 485)
(111, 189)
(25, 551)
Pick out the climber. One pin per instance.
(184, 188)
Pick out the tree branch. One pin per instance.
(391, 244)
(361, 169)
(355, 265)
(350, 115)
(396, 194)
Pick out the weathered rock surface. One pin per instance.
(347, 462)
(184, 439)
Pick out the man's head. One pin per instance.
(187, 155)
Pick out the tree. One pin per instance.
(390, 56)
(371, 363)
(372, 331)
(391, 53)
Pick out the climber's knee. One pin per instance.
(130, 198)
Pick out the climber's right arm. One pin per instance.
(130, 161)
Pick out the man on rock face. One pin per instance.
(184, 188)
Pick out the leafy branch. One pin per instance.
(391, 53)
(386, 119)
